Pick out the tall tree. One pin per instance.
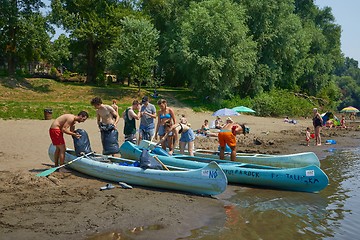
(282, 45)
(134, 51)
(165, 15)
(214, 47)
(324, 53)
(94, 23)
(17, 30)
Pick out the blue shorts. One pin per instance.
(187, 136)
(146, 133)
(161, 131)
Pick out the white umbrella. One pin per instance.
(225, 112)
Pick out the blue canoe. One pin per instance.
(283, 161)
(304, 179)
(209, 180)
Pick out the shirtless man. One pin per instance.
(64, 124)
(227, 135)
(105, 114)
(107, 118)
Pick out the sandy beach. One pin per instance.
(70, 205)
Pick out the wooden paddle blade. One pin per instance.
(162, 164)
(47, 172)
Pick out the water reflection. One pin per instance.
(268, 214)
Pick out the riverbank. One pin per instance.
(70, 205)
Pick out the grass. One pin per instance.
(28, 98)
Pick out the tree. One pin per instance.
(166, 14)
(94, 23)
(21, 25)
(282, 45)
(60, 51)
(215, 52)
(135, 50)
(324, 52)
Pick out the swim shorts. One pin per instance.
(187, 136)
(57, 136)
(227, 138)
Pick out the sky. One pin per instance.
(347, 15)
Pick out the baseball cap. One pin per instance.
(144, 99)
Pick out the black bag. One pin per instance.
(82, 144)
(147, 161)
(109, 140)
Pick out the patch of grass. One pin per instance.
(26, 98)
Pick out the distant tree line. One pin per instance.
(218, 48)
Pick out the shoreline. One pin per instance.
(70, 205)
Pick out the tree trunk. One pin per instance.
(11, 47)
(91, 62)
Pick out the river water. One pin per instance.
(333, 213)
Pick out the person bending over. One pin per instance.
(187, 136)
(227, 135)
(64, 124)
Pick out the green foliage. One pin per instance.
(60, 51)
(94, 23)
(350, 90)
(279, 103)
(214, 49)
(134, 51)
(23, 33)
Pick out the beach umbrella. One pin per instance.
(225, 112)
(243, 109)
(349, 109)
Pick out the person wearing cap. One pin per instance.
(227, 135)
(147, 122)
(129, 117)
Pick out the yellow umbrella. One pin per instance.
(349, 109)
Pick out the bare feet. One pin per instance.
(64, 170)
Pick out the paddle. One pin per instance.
(51, 170)
(164, 166)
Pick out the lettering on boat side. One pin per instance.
(241, 172)
(209, 173)
(294, 177)
(306, 179)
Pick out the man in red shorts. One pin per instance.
(64, 124)
(227, 135)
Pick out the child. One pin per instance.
(342, 122)
(308, 136)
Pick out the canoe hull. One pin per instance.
(304, 179)
(209, 180)
(284, 161)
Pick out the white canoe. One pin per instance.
(209, 180)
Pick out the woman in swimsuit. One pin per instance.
(205, 129)
(187, 136)
(317, 123)
(165, 114)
